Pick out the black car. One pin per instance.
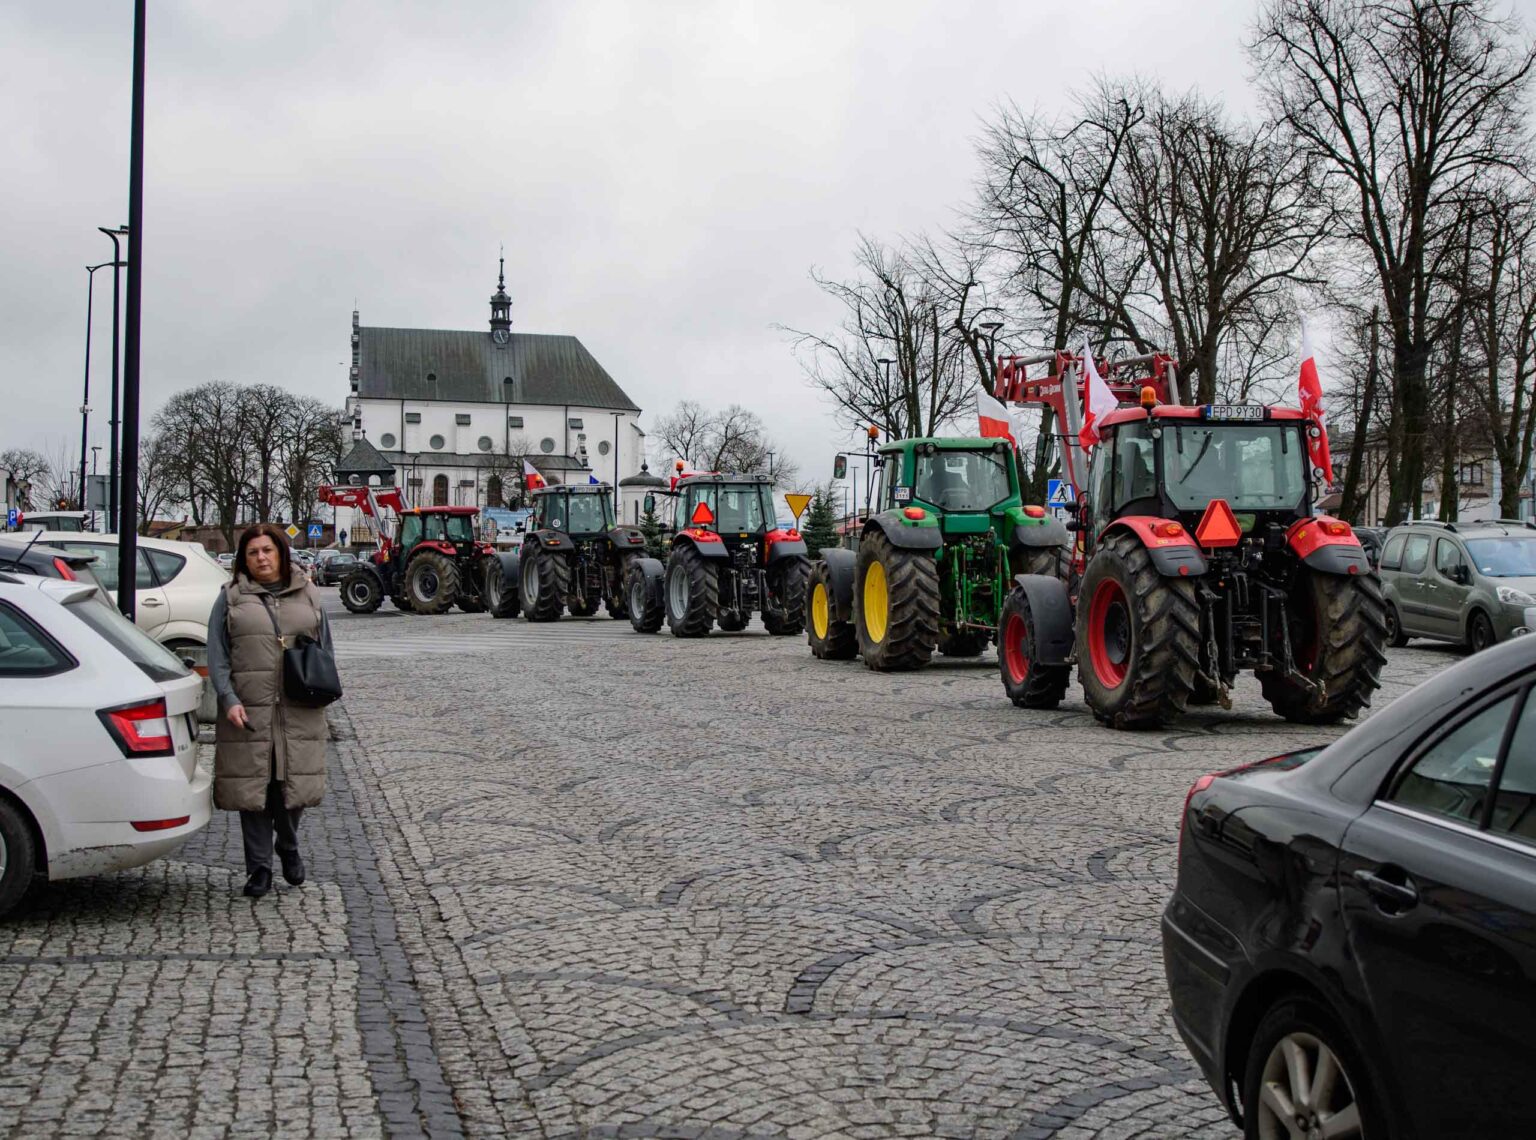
(1351, 948)
(23, 556)
(332, 566)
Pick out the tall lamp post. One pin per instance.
(85, 399)
(95, 447)
(117, 263)
(128, 499)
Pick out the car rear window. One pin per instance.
(166, 564)
(1392, 553)
(26, 650)
(155, 660)
(1416, 554)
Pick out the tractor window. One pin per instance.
(460, 528)
(432, 528)
(1254, 467)
(410, 530)
(963, 480)
(742, 509)
(589, 514)
(1134, 472)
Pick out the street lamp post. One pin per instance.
(116, 263)
(991, 329)
(128, 499)
(617, 506)
(85, 399)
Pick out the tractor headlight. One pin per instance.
(1515, 597)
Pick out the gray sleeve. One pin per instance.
(325, 633)
(218, 653)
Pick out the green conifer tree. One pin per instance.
(650, 527)
(820, 522)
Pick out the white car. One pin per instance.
(176, 586)
(99, 770)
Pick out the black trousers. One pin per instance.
(257, 829)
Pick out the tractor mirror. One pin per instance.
(840, 467)
(650, 503)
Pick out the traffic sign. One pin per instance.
(1059, 492)
(291, 530)
(13, 518)
(797, 504)
(315, 530)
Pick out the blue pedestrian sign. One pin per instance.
(1058, 493)
(315, 530)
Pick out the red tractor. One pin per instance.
(433, 562)
(1198, 555)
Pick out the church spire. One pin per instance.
(501, 305)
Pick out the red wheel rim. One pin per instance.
(1109, 633)
(1014, 658)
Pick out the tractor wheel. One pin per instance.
(897, 610)
(692, 593)
(830, 639)
(361, 593)
(545, 576)
(1052, 561)
(1338, 627)
(432, 582)
(645, 613)
(617, 604)
(787, 582)
(732, 622)
(499, 599)
(1138, 637)
(401, 603)
(961, 642)
(1028, 684)
(585, 608)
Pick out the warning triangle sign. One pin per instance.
(1218, 526)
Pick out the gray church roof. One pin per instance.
(364, 459)
(470, 368)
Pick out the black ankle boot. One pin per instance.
(293, 867)
(259, 883)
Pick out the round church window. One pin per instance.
(546, 445)
(387, 439)
(437, 442)
(602, 448)
(485, 443)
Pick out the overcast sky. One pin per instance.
(664, 174)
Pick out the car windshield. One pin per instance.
(157, 662)
(962, 480)
(745, 509)
(1513, 556)
(1254, 467)
(588, 514)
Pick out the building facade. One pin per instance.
(455, 412)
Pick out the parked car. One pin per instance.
(26, 555)
(332, 565)
(99, 772)
(1352, 940)
(1469, 583)
(226, 560)
(1371, 539)
(73, 521)
(176, 584)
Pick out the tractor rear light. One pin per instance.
(1168, 530)
(1035, 511)
(160, 824)
(63, 568)
(915, 513)
(142, 729)
(1335, 528)
(703, 535)
(1198, 786)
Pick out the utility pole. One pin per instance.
(128, 516)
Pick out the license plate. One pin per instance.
(1234, 412)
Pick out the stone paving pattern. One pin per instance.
(572, 881)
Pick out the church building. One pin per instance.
(454, 413)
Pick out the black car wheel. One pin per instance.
(1396, 638)
(18, 856)
(1304, 1077)
(1480, 633)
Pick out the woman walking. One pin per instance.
(269, 764)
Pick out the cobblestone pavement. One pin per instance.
(573, 881)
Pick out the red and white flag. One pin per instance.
(532, 480)
(1098, 401)
(994, 418)
(1310, 390)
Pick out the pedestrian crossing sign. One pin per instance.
(315, 530)
(1059, 493)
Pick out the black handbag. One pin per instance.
(309, 669)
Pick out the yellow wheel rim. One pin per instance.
(819, 611)
(877, 602)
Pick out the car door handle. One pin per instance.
(1400, 896)
(151, 602)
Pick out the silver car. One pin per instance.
(1469, 583)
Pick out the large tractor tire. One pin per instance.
(1052, 561)
(787, 582)
(1028, 683)
(830, 639)
(401, 603)
(961, 642)
(432, 582)
(1138, 637)
(500, 598)
(617, 604)
(646, 613)
(1338, 629)
(897, 610)
(545, 582)
(692, 593)
(362, 593)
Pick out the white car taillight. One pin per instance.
(142, 729)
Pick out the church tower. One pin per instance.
(501, 308)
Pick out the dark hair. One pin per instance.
(284, 561)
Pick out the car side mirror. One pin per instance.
(1463, 574)
(650, 503)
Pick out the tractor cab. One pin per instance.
(733, 506)
(442, 526)
(583, 511)
(961, 482)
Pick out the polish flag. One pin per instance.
(993, 415)
(532, 480)
(1098, 401)
(1310, 390)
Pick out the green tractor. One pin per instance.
(936, 560)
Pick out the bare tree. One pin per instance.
(158, 484)
(506, 468)
(214, 465)
(1411, 106)
(733, 439)
(309, 437)
(30, 471)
